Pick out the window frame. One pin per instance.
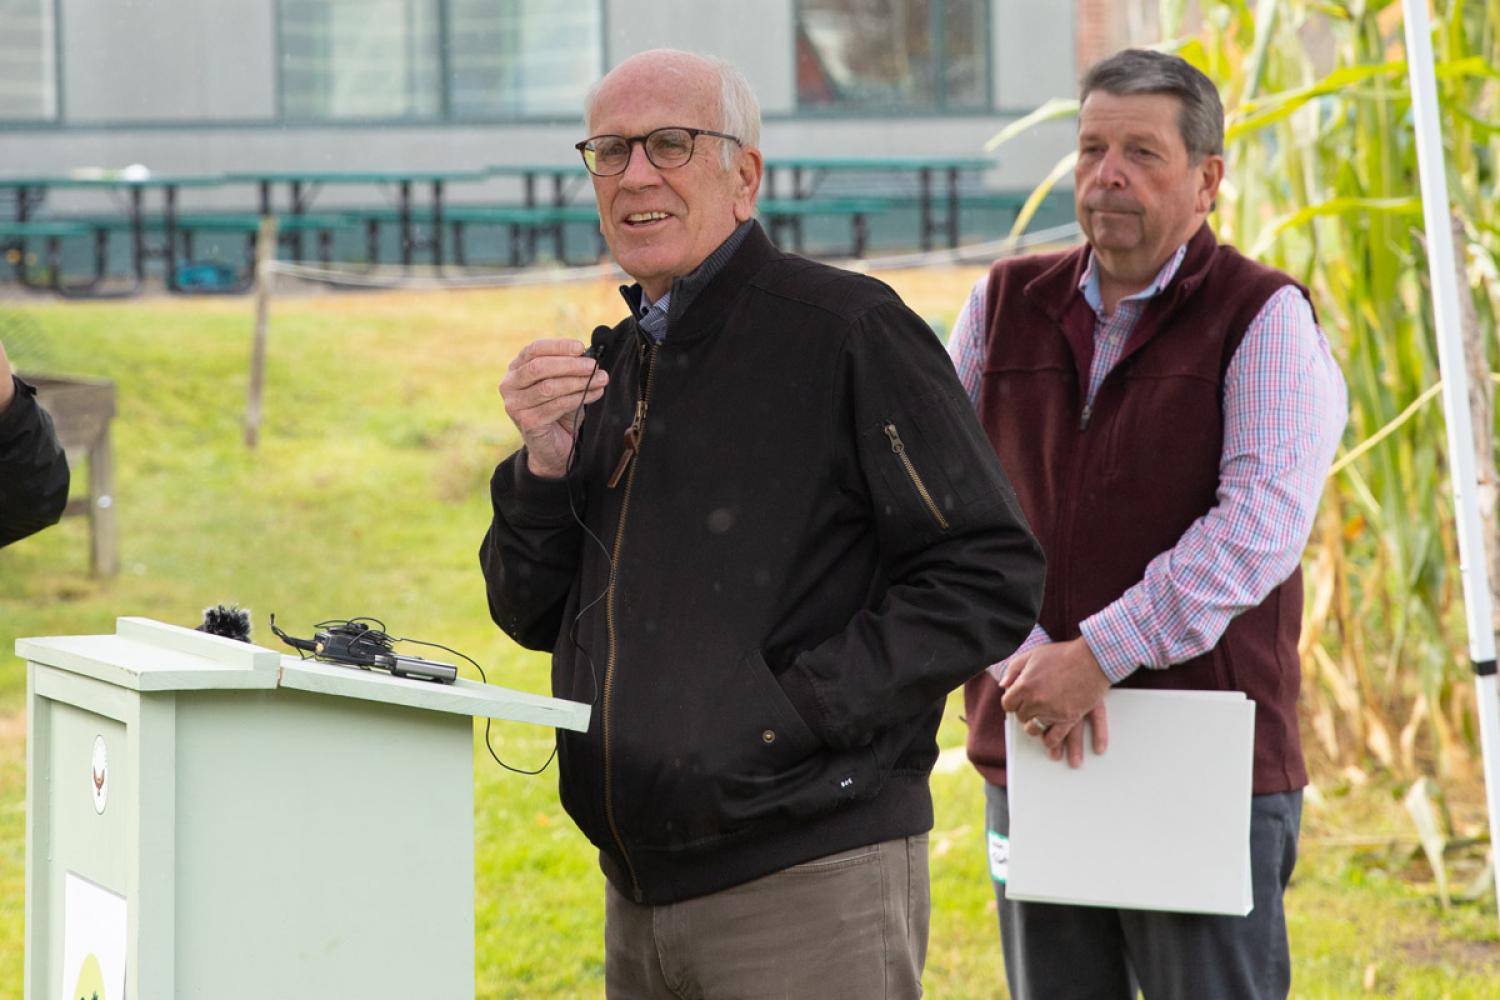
(938, 24)
(56, 118)
(444, 114)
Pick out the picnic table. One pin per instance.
(14, 237)
(807, 173)
(30, 193)
(787, 213)
(524, 224)
(303, 186)
(566, 181)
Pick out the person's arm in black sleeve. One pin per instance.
(33, 468)
(530, 554)
(965, 574)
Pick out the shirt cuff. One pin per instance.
(1037, 637)
(1116, 643)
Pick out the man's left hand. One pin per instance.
(1055, 685)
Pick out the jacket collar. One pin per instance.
(699, 307)
(1056, 293)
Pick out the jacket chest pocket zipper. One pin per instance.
(899, 449)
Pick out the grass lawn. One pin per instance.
(367, 496)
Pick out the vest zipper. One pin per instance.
(632, 448)
(1065, 548)
(916, 480)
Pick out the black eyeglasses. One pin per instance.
(607, 155)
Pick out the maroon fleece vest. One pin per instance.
(1107, 491)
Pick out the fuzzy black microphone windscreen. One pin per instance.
(230, 621)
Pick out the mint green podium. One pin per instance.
(276, 828)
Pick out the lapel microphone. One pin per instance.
(598, 343)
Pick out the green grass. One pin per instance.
(367, 495)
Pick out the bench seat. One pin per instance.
(783, 213)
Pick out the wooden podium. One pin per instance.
(242, 825)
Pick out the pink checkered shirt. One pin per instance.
(1284, 412)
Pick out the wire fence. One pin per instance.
(418, 277)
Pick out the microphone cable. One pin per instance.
(595, 351)
(370, 636)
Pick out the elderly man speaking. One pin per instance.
(764, 539)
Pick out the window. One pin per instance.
(28, 60)
(360, 59)
(522, 58)
(435, 59)
(902, 55)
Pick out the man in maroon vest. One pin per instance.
(1167, 411)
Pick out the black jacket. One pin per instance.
(33, 468)
(814, 546)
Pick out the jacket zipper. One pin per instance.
(916, 480)
(632, 448)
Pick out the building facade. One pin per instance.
(210, 86)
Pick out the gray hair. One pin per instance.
(739, 111)
(1200, 118)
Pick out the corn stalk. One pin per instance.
(1327, 190)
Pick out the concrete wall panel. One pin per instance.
(1034, 52)
(167, 60)
(162, 61)
(756, 37)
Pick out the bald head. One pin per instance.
(715, 86)
(662, 221)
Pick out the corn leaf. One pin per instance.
(1039, 194)
(1345, 207)
(1058, 107)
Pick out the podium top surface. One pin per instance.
(149, 656)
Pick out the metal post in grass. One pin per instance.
(265, 256)
(1442, 265)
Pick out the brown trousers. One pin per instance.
(850, 926)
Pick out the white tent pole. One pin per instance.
(1473, 569)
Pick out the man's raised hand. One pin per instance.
(542, 391)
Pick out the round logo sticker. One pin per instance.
(100, 775)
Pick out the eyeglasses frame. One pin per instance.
(631, 140)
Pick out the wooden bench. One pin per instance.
(188, 229)
(183, 230)
(783, 213)
(522, 222)
(323, 225)
(14, 237)
(929, 182)
(1009, 202)
(372, 219)
(81, 411)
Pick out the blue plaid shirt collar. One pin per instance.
(1089, 285)
(653, 317)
